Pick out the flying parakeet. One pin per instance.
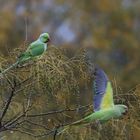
(36, 48)
(104, 107)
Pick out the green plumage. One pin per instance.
(104, 107)
(35, 49)
(102, 116)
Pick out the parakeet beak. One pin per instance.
(126, 111)
(48, 40)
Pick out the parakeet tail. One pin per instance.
(12, 66)
(62, 130)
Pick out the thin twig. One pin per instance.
(11, 96)
(34, 135)
(40, 125)
(7, 104)
(17, 118)
(14, 120)
(55, 112)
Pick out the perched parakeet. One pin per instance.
(104, 107)
(36, 48)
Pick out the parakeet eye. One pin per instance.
(44, 37)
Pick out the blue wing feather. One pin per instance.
(99, 87)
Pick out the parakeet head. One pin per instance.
(122, 109)
(44, 37)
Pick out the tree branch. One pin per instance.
(34, 135)
(9, 100)
(7, 104)
(59, 111)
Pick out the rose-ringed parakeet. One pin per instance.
(36, 48)
(104, 107)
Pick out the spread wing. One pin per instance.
(103, 93)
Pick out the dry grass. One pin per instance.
(56, 83)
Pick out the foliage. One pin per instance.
(47, 94)
(102, 32)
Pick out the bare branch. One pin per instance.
(9, 100)
(7, 104)
(59, 111)
(34, 135)
(33, 123)
(13, 121)
(9, 82)
(24, 132)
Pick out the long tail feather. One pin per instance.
(76, 123)
(62, 130)
(12, 66)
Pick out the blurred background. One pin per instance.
(108, 31)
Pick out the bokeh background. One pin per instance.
(107, 30)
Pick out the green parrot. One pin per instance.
(104, 107)
(35, 49)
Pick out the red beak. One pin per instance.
(48, 41)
